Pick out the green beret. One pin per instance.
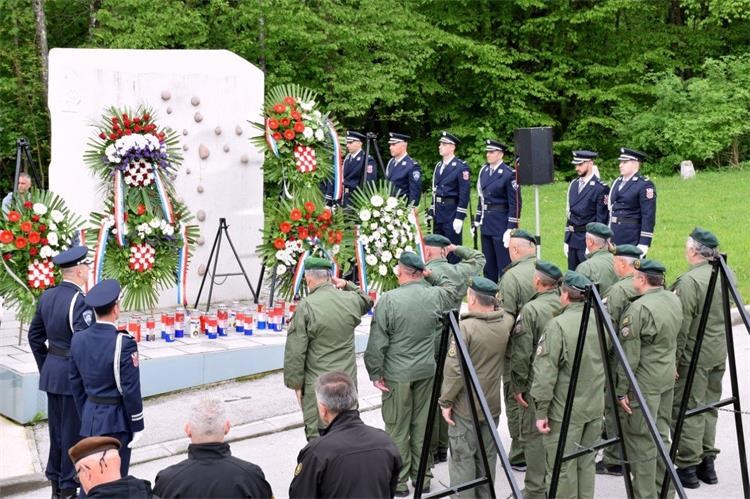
(316, 263)
(522, 234)
(706, 238)
(437, 240)
(599, 229)
(412, 260)
(549, 269)
(576, 281)
(627, 250)
(651, 267)
(483, 286)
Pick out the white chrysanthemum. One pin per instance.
(319, 135)
(376, 213)
(373, 226)
(400, 212)
(280, 269)
(56, 216)
(45, 252)
(391, 202)
(395, 270)
(365, 215)
(409, 249)
(377, 201)
(371, 259)
(379, 243)
(411, 218)
(52, 238)
(308, 133)
(382, 269)
(40, 209)
(336, 249)
(168, 230)
(387, 219)
(398, 252)
(307, 106)
(386, 257)
(154, 223)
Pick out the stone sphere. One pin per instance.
(198, 117)
(195, 100)
(166, 95)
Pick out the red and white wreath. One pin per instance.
(142, 257)
(139, 173)
(304, 159)
(41, 274)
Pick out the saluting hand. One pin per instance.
(338, 282)
(520, 400)
(450, 248)
(542, 426)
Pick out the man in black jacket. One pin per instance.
(350, 459)
(210, 469)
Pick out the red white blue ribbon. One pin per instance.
(272, 146)
(101, 249)
(359, 253)
(119, 189)
(82, 242)
(299, 273)
(338, 164)
(166, 204)
(335, 270)
(182, 268)
(418, 240)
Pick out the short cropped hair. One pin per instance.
(546, 280)
(318, 274)
(336, 391)
(629, 260)
(208, 417)
(485, 300)
(599, 242)
(703, 250)
(574, 294)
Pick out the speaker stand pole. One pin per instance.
(538, 219)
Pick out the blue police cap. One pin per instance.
(394, 138)
(631, 155)
(71, 257)
(495, 145)
(352, 135)
(448, 138)
(583, 156)
(103, 294)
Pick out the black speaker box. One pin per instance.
(534, 151)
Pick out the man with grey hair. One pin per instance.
(321, 335)
(210, 469)
(22, 189)
(350, 459)
(598, 266)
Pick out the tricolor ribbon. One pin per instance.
(299, 273)
(271, 141)
(335, 270)
(82, 242)
(166, 204)
(338, 164)
(182, 268)
(359, 253)
(418, 240)
(101, 249)
(119, 189)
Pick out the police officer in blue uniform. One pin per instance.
(587, 202)
(353, 164)
(404, 174)
(61, 312)
(498, 209)
(450, 193)
(632, 203)
(105, 376)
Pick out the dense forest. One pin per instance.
(669, 77)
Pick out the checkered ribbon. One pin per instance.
(142, 257)
(139, 174)
(304, 159)
(41, 274)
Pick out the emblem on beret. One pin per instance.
(650, 193)
(466, 175)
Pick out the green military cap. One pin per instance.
(549, 269)
(522, 234)
(576, 281)
(651, 267)
(627, 250)
(412, 260)
(705, 237)
(599, 229)
(437, 240)
(483, 286)
(317, 263)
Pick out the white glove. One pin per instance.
(137, 435)
(565, 249)
(458, 225)
(644, 250)
(506, 238)
(427, 218)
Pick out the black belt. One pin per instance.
(104, 400)
(496, 207)
(58, 352)
(449, 201)
(620, 220)
(577, 228)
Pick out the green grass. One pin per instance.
(718, 201)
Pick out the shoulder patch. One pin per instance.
(88, 317)
(466, 175)
(452, 350)
(135, 359)
(626, 321)
(415, 174)
(369, 168)
(625, 331)
(650, 193)
(605, 199)
(298, 469)
(514, 184)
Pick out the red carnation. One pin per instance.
(285, 121)
(296, 115)
(308, 216)
(302, 233)
(141, 209)
(33, 251)
(289, 100)
(26, 226)
(339, 236)
(43, 241)
(137, 128)
(128, 132)
(103, 136)
(7, 256)
(273, 124)
(28, 204)
(34, 238)
(113, 136)
(6, 237)
(137, 119)
(21, 242)
(146, 116)
(42, 227)
(115, 119)
(160, 135)
(279, 243)
(279, 108)
(125, 116)
(276, 136)
(330, 240)
(309, 206)
(326, 215)
(14, 216)
(289, 134)
(284, 227)
(299, 127)
(35, 218)
(295, 214)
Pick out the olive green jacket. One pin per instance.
(486, 336)
(471, 264)
(618, 298)
(321, 334)
(530, 324)
(648, 333)
(553, 367)
(401, 346)
(691, 288)
(600, 268)
(517, 284)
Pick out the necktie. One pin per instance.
(442, 166)
(581, 184)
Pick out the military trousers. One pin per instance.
(64, 432)
(575, 257)
(466, 463)
(496, 256)
(313, 423)
(698, 432)
(576, 475)
(535, 456)
(405, 409)
(611, 454)
(513, 414)
(647, 471)
(439, 438)
(446, 229)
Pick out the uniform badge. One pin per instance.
(514, 184)
(591, 183)
(466, 175)
(403, 162)
(650, 193)
(452, 350)
(134, 358)
(88, 317)
(415, 175)
(625, 332)
(606, 199)
(298, 469)
(369, 168)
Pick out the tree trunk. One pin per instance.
(735, 161)
(41, 40)
(262, 39)
(93, 9)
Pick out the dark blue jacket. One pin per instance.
(405, 178)
(633, 210)
(453, 186)
(93, 373)
(59, 313)
(352, 175)
(590, 205)
(499, 205)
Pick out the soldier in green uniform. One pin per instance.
(697, 450)
(534, 316)
(648, 333)
(321, 335)
(400, 357)
(486, 329)
(616, 300)
(598, 266)
(516, 288)
(552, 370)
(471, 263)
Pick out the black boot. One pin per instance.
(706, 472)
(688, 477)
(441, 455)
(68, 493)
(55, 490)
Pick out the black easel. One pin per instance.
(472, 388)
(23, 152)
(719, 269)
(371, 139)
(604, 323)
(223, 230)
